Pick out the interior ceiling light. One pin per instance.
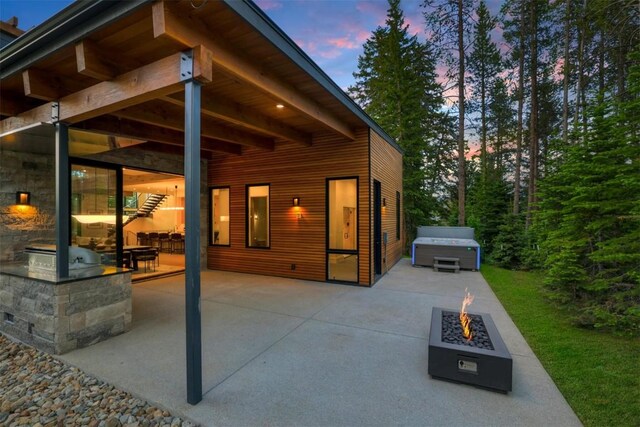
(279, 106)
(93, 219)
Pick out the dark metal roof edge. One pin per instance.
(251, 13)
(67, 26)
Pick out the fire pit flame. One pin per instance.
(465, 320)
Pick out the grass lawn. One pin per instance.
(598, 373)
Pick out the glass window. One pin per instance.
(220, 216)
(342, 224)
(343, 214)
(93, 211)
(258, 216)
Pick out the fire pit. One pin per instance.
(467, 348)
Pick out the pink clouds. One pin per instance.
(344, 43)
(269, 4)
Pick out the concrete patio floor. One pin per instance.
(290, 352)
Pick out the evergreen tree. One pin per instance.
(484, 65)
(395, 84)
(448, 27)
(590, 215)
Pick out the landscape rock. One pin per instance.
(39, 390)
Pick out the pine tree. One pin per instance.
(448, 27)
(484, 65)
(590, 215)
(395, 84)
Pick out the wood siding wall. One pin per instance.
(386, 167)
(292, 170)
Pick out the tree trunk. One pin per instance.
(516, 178)
(621, 67)
(461, 145)
(601, 62)
(580, 80)
(533, 126)
(483, 123)
(567, 73)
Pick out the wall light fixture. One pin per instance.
(23, 198)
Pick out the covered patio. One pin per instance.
(290, 352)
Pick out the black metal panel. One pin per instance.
(63, 200)
(377, 227)
(491, 369)
(192, 95)
(424, 254)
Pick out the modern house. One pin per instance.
(267, 165)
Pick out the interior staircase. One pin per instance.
(147, 208)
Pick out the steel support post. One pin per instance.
(63, 200)
(192, 239)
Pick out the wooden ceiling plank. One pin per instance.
(225, 109)
(163, 115)
(92, 63)
(110, 125)
(165, 24)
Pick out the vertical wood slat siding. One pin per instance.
(291, 170)
(386, 167)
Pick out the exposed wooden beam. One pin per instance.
(91, 62)
(39, 85)
(110, 125)
(10, 106)
(150, 81)
(225, 109)
(11, 27)
(40, 114)
(191, 33)
(170, 116)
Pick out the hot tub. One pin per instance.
(424, 249)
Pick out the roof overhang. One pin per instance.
(115, 67)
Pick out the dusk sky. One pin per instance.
(331, 32)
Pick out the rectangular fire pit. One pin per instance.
(484, 361)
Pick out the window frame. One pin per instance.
(328, 250)
(246, 214)
(211, 240)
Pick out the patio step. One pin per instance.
(446, 263)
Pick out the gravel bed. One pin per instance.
(39, 390)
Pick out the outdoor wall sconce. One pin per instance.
(296, 207)
(23, 198)
(384, 202)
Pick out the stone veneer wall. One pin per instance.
(60, 317)
(23, 225)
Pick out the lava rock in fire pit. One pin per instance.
(484, 361)
(452, 331)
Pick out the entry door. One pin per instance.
(342, 229)
(377, 227)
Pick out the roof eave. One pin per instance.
(251, 13)
(66, 27)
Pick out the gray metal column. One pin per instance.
(192, 237)
(63, 200)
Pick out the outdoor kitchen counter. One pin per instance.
(20, 270)
(59, 315)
